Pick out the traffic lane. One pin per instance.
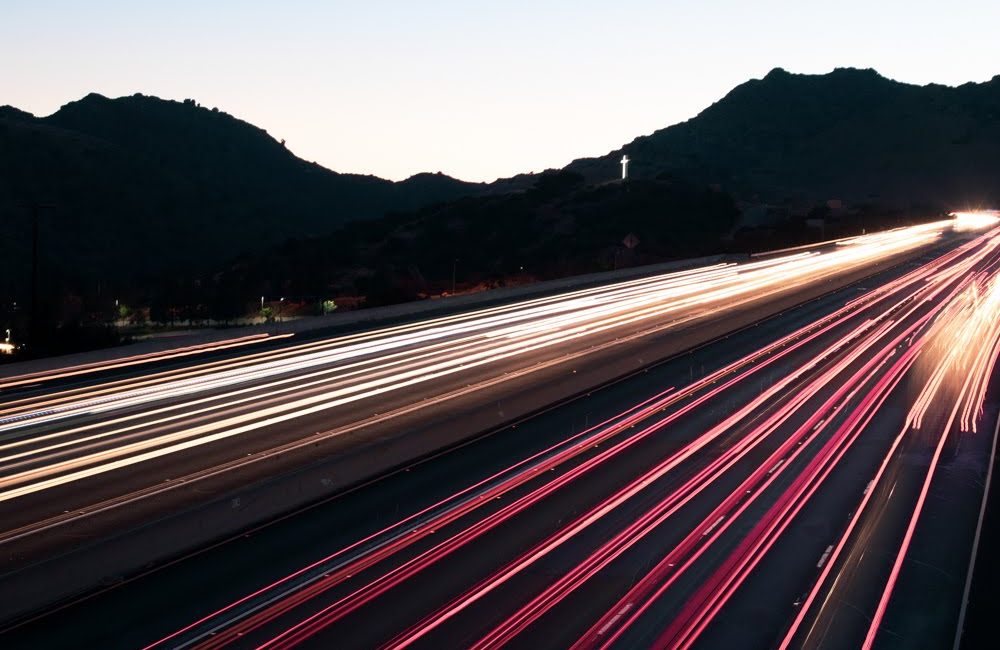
(575, 613)
(85, 438)
(979, 617)
(577, 607)
(576, 302)
(159, 602)
(25, 385)
(933, 576)
(752, 616)
(761, 610)
(376, 320)
(82, 493)
(31, 507)
(639, 641)
(393, 611)
(376, 364)
(844, 619)
(700, 426)
(342, 358)
(660, 300)
(634, 640)
(752, 464)
(316, 380)
(664, 609)
(371, 370)
(924, 606)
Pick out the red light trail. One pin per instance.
(929, 339)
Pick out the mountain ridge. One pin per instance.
(170, 203)
(139, 169)
(765, 138)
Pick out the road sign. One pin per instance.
(630, 241)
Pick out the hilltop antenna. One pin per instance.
(625, 162)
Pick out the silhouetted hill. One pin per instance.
(139, 186)
(850, 134)
(561, 226)
(191, 211)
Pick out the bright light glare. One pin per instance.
(976, 219)
(288, 384)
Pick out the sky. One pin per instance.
(474, 89)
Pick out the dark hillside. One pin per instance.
(850, 134)
(561, 226)
(140, 186)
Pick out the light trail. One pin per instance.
(361, 367)
(616, 546)
(674, 564)
(768, 451)
(667, 507)
(977, 322)
(138, 359)
(866, 362)
(755, 363)
(965, 350)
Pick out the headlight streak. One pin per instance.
(975, 322)
(102, 366)
(520, 621)
(553, 322)
(754, 364)
(203, 434)
(27, 404)
(939, 320)
(932, 278)
(644, 525)
(975, 220)
(482, 319)
(325, 617)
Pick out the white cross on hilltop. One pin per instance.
(625, 162)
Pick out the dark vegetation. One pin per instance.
(559, 227)
(185, 213)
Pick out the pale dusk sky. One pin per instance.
(477, 90)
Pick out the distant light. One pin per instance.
(976, 219)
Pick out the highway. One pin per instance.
(775, 496)
(78, 442)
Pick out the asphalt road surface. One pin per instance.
(115, 444)
(813, 481)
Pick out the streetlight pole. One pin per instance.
(454, 267)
